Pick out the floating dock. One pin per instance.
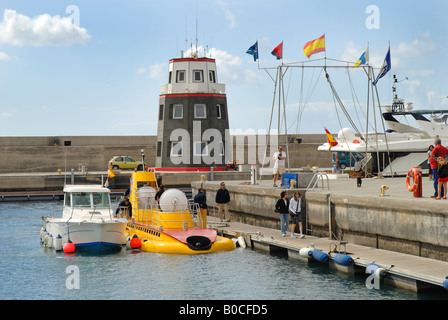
(405, 271)
(405, 235)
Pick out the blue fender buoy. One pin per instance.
(343, 259)
(320, 256)
(445, 284)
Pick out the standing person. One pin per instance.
(279, 164)
(201, 199)
(222, 200)
(442, 173)
(431, 147)
(282, 209)
(296, 215)
(358, 169)
(160, 192)
(438, 151)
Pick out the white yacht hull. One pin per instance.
(96, 236)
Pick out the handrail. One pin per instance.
(149, 214)
(318, 176)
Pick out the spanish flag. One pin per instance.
(331, 141)
(314, 46)
(111, 174)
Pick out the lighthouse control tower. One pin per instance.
(193, 118)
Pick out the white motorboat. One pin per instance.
(87, 221)
(403, 145)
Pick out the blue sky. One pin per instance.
(102, 77)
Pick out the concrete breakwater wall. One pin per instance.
(403, 225)
(48, 154)
(55, 182)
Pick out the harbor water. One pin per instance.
(29, 271)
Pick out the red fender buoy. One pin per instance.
(135, 242)
(69, 247)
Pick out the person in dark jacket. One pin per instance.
(125, 208)
(201, 199)
(160, 192)
(282, 209)
(222, 200)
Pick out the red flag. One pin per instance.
(278, 51)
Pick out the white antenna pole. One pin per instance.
(196, 28)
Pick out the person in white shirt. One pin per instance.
(279, 164)
(295, 214)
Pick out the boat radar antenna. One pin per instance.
(394, 87)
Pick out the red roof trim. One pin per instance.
(191, 59)
(177, 95)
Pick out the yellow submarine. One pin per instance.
(172, 225)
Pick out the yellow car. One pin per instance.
(125, 162)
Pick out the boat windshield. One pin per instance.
(88, 199)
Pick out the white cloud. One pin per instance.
(4, 57)
(158, 70)
(8, 113)
(141, 70)
(19, 30)
(228, 15)
(416, 48)
(231, 70)
(419, 47)
(352, 52)
(155, 71)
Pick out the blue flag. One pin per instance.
(253, 50)
(385, 68)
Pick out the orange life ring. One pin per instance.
(411, 172)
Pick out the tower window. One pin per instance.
(180, 76)
(218, 111)
(199, 111)
(212, 76)
(197, 76)
(159, 148)
(161, 112)
(178, 111)
(169, 76)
